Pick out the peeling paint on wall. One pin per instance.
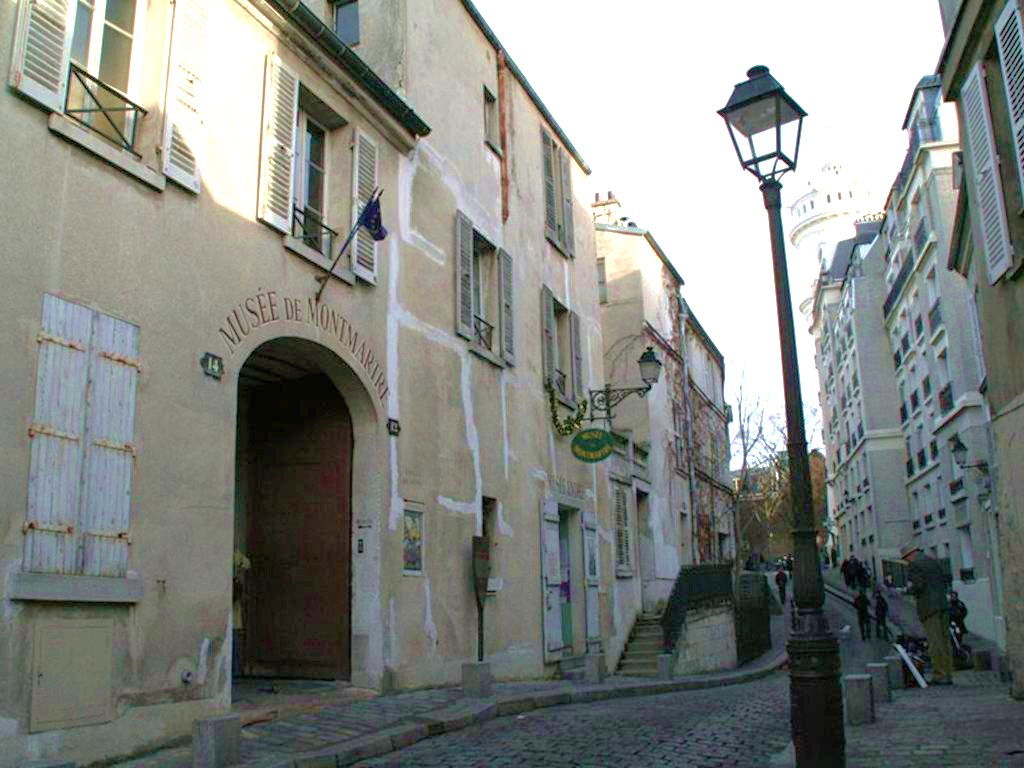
(503, 527)
(428, 617)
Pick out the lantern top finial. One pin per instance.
(757, 71)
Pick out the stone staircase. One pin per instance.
(645, 644)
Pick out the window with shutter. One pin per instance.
(623, 557)
(484, 294)
(1010, 41)
(280, 107)
(464, 308)
(364, 183)
(551, 203)
(558, 226)
(506, 281)
(568, 235)
(184, 135)
(577, 357)
(548, 340)
(79, 498)
(42, 49)
(984, 172)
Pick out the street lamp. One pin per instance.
(602, 401)
(764, 124)
(959, 451)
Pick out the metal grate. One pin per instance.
(102, 109)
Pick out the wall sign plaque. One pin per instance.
(592, 445)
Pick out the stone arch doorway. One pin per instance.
(293, 516)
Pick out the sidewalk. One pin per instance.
(342, 731)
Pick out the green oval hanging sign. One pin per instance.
(593, 445)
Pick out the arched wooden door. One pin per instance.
(298, 606)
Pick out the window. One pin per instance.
(563, 353)
(309, 173)
(558, 201)
(602, 282)
(346, 21)
(484, 294)
(492, 121)
(79, 493)
(623, 554)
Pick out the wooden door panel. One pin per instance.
(300, 533)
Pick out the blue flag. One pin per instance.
(370, 218)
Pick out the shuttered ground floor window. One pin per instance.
(82, 454)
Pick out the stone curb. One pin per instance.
(469, 712)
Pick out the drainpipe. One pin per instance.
(684, 313)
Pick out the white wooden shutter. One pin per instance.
(1010, 39)
(506, 290)
(623, 558)
(550, 203)
(568, 233)
(576, 345)
(984, 170)
(184, 133)
(464, 309)
(42, 50)
(109, 453)
(364, 182)
(57, 432)
(551, 580)
(280, 108)
(592, 572)
(547, 307)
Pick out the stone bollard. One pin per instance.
(666, 665)
(880, 681)
(860, 701)
(982, 660)
(895, 672)
(476, 679)
(216, 741)
(594, 668)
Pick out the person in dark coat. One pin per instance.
(881, 615)
(863, 606)
(781, 579)
(929, 590)
(844, 569)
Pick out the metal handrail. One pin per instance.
(132, 111)
(483, 330)
(311, 230)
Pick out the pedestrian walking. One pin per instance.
(929, 588)
(781, 579)
(844, 569)
(863, 606)
(957, 612)
(881, 614)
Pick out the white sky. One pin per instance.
(636, 87)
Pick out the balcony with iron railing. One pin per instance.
(935, 316)
(897, 286)
(308, 226)
(946, 399)
(102, 109)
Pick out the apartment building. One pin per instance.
(227, 454)
(936, 357)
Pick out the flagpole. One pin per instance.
(322, 279)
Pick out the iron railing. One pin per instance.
(485, 331)
(308, 226)
(697, 586)
(102, 109)
(935, 316)
(946, 398)
(897, 286)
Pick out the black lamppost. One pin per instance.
(764, 125)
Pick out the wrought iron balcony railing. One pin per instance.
(484, 333)
(102, 109)
(308, 226)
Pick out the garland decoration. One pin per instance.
(568, 425)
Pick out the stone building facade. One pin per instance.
(980, 74)
(213, 466)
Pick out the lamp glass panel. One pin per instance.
(650, 371)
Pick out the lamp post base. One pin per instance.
(815, 694)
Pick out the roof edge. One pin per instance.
(646, 233)
(692, 318)
(494, 41)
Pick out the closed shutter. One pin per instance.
(550, 203)
(547, 307)
(183, 124)
(506, 284)
(984, 170)
(464, 309)
(677, 425)
(1010, 39)
(592, 570)
(57, 431)
(109, 454)
(280, 108)
(551, 580)
(364, 182)
(42, 50)
(568, 233)
(623, 560)
(577, 356)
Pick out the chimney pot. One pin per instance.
(611, 196)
